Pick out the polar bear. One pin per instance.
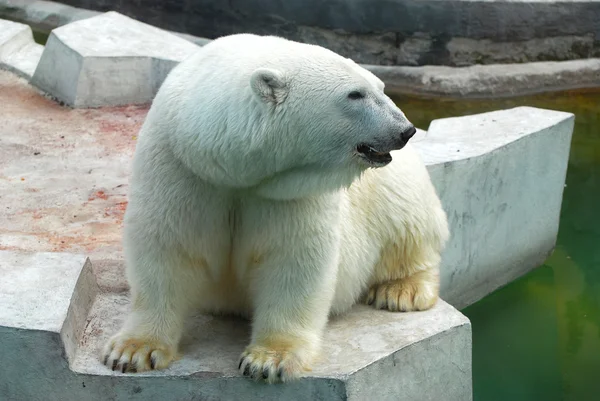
(263, 185)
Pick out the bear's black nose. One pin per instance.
(406, 135)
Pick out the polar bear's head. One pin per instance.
(332, 120)
(283, 118)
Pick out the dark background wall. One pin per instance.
(405, 32)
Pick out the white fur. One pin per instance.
(248, 197)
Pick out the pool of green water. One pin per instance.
(40, 36)
(538, 338)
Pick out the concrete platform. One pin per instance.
(63, 179)
(108, 60)
(63, 173)
(367, 353)
(18, 51)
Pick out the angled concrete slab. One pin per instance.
(367, 353)
(108, 60)
(46, 296)
(18, 51)
(500, 176)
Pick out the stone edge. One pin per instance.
(463, 328)
(84, 295)
(431, 161)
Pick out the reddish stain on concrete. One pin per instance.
(117, 210)
(98, 195)
(63, 172)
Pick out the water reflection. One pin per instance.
(539, 337)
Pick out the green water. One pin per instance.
(40, 36)
(538, 338)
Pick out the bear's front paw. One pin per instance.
(130, 354)
(273, 363)
(408, 294)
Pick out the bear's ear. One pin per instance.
(269, 85)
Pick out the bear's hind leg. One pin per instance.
(401, 284)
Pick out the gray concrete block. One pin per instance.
(12, 37)
(18, 51)
(500, 176)
(108, 60)
(36, 289)
(367, 353)
(45, 292)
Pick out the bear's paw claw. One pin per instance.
(271, 366)
(130, 354)
(403, 295)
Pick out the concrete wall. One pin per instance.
(476, 81)
(392, 32)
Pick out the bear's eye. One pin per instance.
(355, 95)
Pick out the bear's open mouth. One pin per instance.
(372, 155)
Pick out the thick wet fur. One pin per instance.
(262, 186)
